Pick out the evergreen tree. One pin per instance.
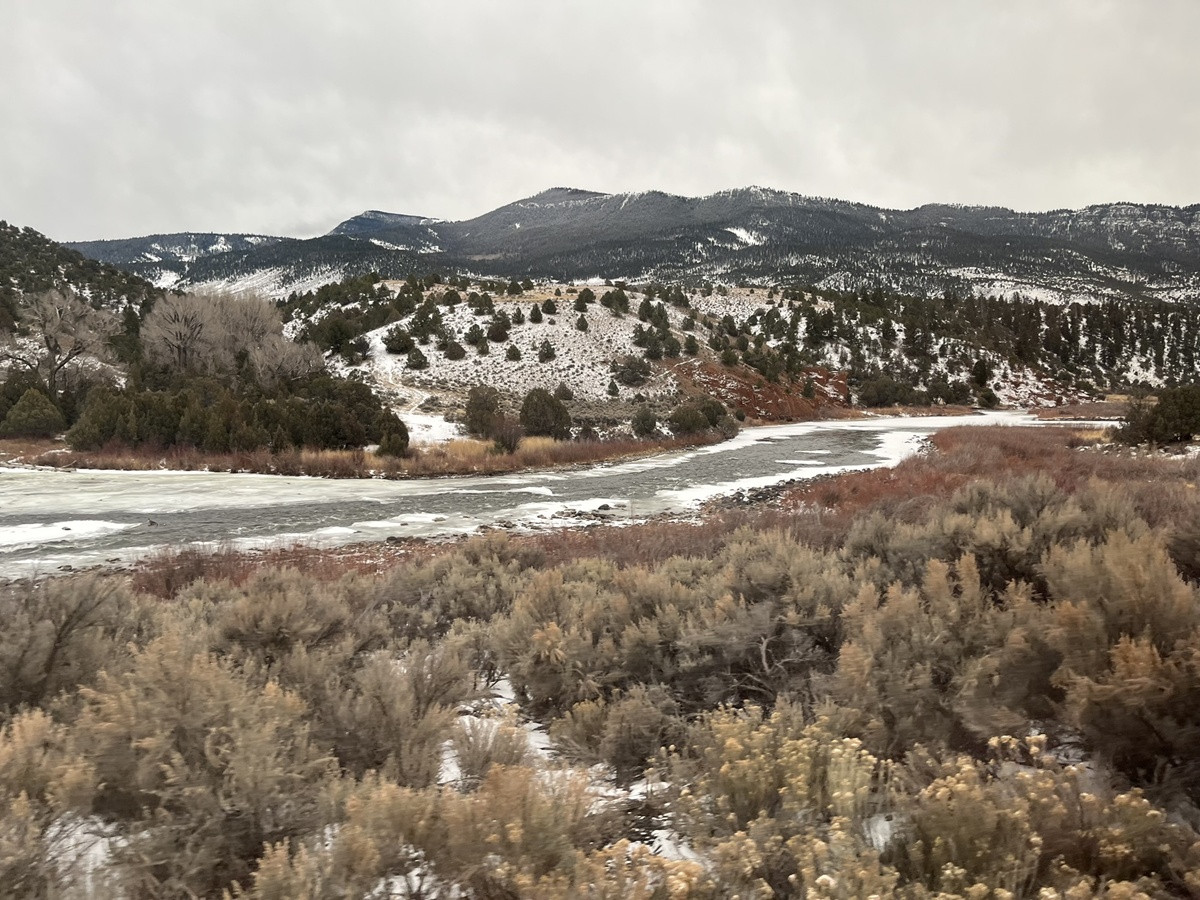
(33, 416)
(482, 411)
(543, 414)
(644, 422)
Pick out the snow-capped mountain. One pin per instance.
(167, 259)
(754, 235)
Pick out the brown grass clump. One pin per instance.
(1162, 489)
(25, 448)
(167, 572)
(1113, 408)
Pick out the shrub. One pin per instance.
(562, 392)
(483, 410)
(506, 435)
(1175, 417)
(397, 340)
(637, 727)
(512, 353)
(417, 359)
(394, 442)
(481, 743)
(546, 351)
(581, 324)
(497, 331)
(455, 351)
(631, 371)
(644, 422)
(543, 414)
(687, 418)
(886, 391)
(988, 399)
(33, 416)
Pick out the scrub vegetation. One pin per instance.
(974, 675)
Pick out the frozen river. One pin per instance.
(51, 519)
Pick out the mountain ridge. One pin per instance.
(753, 234)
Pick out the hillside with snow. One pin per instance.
(749, 235)
(789, 369)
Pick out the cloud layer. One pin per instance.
(133, 117)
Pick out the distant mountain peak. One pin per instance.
(564, 194)
(753, 234)
(372, 220)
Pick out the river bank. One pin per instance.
(50, 518)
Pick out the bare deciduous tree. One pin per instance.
(221, 332)
(58, 329)
(178, 332)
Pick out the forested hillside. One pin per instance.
(32, 263)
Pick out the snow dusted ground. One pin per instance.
(274, 283)
(582, 359)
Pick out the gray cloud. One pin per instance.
(132, 117)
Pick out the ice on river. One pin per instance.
(53, 519)
(70, 531)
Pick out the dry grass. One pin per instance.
(1161, 487)
(167, 572)
(26, 448)
(1106, 409)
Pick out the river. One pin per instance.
(52, 520)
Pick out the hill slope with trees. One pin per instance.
(1120, 250)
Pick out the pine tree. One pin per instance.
(33, 416)
(543, 414)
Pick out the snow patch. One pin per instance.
(749, 238)
(69, 531)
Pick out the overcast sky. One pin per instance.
(130, 117)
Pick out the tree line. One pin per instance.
(214, 372)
